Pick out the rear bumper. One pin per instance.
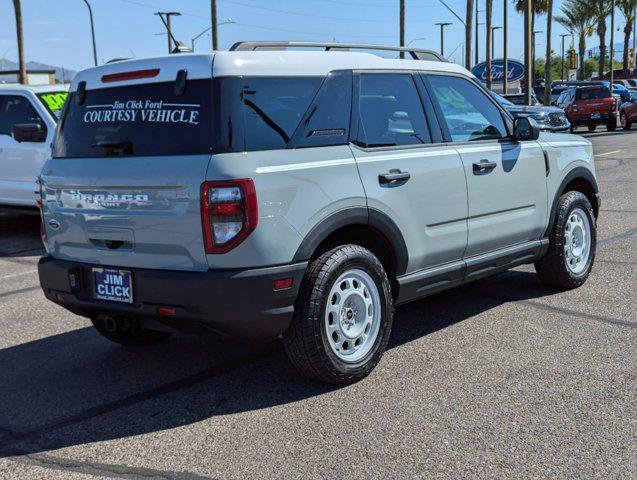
(238, 303)
(605, 118)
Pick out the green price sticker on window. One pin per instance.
(54, 101)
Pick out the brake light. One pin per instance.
(132, 75)
(229, 213)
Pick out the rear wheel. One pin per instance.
(572, 243)
(127, 331)
(592, 128)
(626, 124)
(343, 317)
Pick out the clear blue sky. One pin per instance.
(57, 32)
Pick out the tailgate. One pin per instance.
(133, 212)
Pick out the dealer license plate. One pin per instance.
(112, 285)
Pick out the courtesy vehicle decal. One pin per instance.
(150, 111)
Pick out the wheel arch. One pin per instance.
(579, 179)
(367, 227)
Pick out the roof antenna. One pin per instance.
(180, 47)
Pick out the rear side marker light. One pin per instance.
(165, 312)
(132, 75)
(283, 283)
(229, 213)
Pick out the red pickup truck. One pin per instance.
(589, 106)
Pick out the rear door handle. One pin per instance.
(393, 176)
(483, 165)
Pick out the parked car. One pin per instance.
(556, 91)
(28, 116)
(628, 114)
(625, 95)
(299, 193)
(589, 106)
(550, 119)
(518, 99)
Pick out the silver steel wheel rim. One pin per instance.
(353, 315)
(577, 241)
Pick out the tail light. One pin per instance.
(228, 213)
(38, 201)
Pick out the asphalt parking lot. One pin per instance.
(498, 379)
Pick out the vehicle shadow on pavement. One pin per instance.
(20, 236)
(76, 388)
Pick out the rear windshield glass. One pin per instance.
(53, 101)
(592, 93)
(140, 120)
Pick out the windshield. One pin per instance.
(140, 120)
(53, 101)
(592, 93)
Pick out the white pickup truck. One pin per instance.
(28, 116)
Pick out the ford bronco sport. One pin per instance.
(301, 194)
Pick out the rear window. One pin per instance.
(140, 120)
(53, 101)
(592, 93)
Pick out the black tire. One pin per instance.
(127, 331)
(552, 269)
(612, 125)
(592, 128)
(626, 124)
(306, 342)
(571, 129)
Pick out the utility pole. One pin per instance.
(402, 26)
(468, 26)
(22, 76)
(505, 48)
(90, 14)
(563, 35)
(635, 38)
(493, 29)
(528, 53)
(442, 36)
(488, 34)
(213, 18)
(612, 47)
(168, 27)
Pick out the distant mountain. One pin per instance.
(62, 74)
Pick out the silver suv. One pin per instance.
(258, 193)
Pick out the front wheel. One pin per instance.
(342, 318)
(572, 243)
(592, 128)
(626, 124)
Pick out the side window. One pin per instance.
(327, 122)
(16, 109)
(469, 113)
(273, 108)
(390, 111)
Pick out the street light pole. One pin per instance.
(493, 29)
(90, 15)
(505, 48)
(533, 54)
(442, 36)
(528, 53)
(477, 34)
(564, 35)
(402, 26)
(197, 37)
(612, 47)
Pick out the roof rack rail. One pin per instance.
(416, 54)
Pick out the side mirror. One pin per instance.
(29, 132)
(525, 128)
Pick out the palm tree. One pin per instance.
(627, 8)
(601, 10)
(539, 8)
(18, 27)
(468, 34)
(577, 17)
(548, 80)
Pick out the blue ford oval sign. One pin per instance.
(515, 71)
